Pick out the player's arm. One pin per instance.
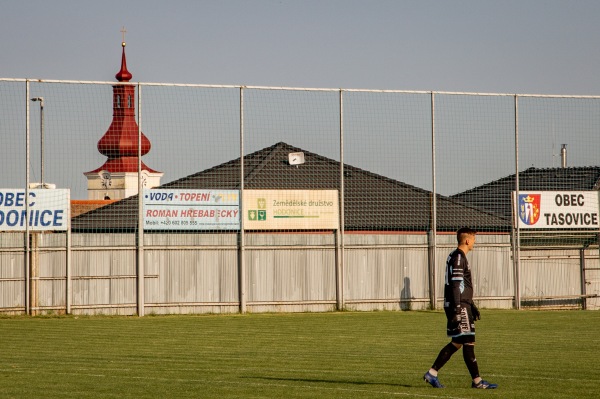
(456, 282)
(456, 294)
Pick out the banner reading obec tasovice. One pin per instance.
(291, 209)
(48, 209)
(557, 209)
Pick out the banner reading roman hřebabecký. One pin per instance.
(557, 209)
(48, 209)
(177, 209)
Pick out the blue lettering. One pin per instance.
(43, 222)
(15, 218)
(32, 215)
(19, 201)
(9, 201)
(161, 196)
(58, 215)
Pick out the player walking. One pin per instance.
(461, 313)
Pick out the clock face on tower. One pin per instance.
(105, 178)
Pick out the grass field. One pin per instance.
(530, 354)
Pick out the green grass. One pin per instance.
(530, 354)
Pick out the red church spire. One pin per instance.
(120, 142)
(123, 75)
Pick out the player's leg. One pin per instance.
(471, 362)
(445, 354)
(452, 330)
(468, 341)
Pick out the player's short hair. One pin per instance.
(464, 231)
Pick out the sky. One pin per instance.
(542, 47)
(521, 46)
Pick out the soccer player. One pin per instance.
(461, 313)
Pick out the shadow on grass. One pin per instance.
(320, 380)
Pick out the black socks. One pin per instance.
(470, 361)
(445, 355)
(468, 355)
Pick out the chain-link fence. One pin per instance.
(258, 198)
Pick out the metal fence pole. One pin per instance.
(583, 283)
(242, 243)
(140, 228)
(517, 235)
(27, 171)
(69, 282)
(339, 272)
(433, 236)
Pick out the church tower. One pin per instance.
(118, 178)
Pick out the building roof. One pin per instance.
(82, 206)
(371, 201)
(495, 197)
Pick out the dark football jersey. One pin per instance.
(458, 287)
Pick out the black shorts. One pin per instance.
(465, 332)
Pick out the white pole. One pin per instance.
(433, 239)
(42, 141)
(140, 229)
(340, 247)
(26, 237)
(517, 238)
(242, 256)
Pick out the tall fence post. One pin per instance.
(433, 232)
(27, 171)
(339, 265)
(242, 243)
(517, 235)
(140, 228)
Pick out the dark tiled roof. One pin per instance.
(495, 197)
(372, 202)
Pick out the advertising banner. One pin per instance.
(557, 209)
(48, 209)
(191, 209)
(291, 209)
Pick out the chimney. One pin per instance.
(563, 156)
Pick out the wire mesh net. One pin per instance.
(384, 169)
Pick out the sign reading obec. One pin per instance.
(557, 209)
(48, 209)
